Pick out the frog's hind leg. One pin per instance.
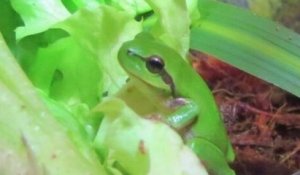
(230, 153)
(211, 156)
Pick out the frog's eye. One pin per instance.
(155, 64)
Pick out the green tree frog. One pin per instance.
(151, 62)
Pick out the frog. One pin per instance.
(155, 65)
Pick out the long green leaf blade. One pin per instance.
(251, 43)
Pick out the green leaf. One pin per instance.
(38, 16)
(72, 77)
(251, 43)
(133, 145)
(89, 27)
(72, 61)
(32, 140)
(133, 7)
(74, 5)
(172, 23)
(78, 130)
(8, 23)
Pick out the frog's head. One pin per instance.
(146, 59)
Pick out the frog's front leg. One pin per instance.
(186, 112)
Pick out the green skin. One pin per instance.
(208, 138)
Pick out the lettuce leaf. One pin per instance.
(166, 20)
(38, 15)
(140, 146)
(172, 23)
(8, 24)
(102, 31)
(69, 49)
(72, 61)
(133, 7)
(32, 141)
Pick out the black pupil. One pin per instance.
(155, 64)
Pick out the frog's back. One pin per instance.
(190, 85)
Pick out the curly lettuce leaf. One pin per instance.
(73, 61)
(9, 23)
(133, 145)
(38, 15)
(102, 31)
(69, 50)
(133, 7)
(172, 23)
(169, 22)
(32, 140)
(74, 5)
(72, 77)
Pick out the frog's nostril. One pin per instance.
(130, 52)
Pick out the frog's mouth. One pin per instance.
(145, 99)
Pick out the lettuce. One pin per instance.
(38, 15)
(32, 140)
(68, 50)
(172, 23)
(141, 146)
(75, 67)
(133, 7)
